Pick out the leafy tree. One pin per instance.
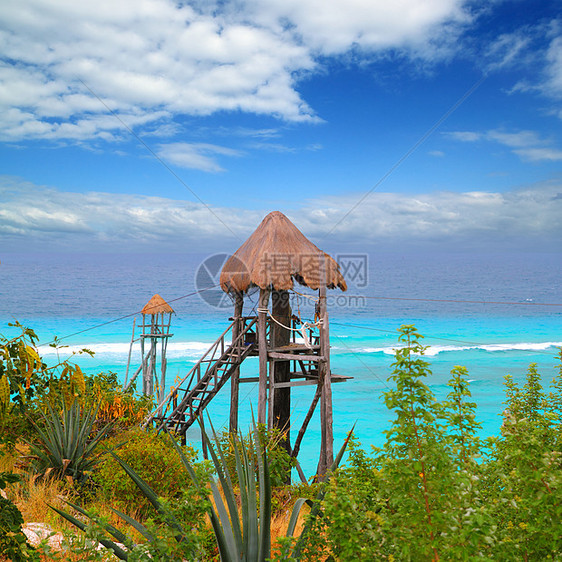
(523, 474)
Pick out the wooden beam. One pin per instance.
(306, 421)
(271, 394)
(294, 383)
(235, 377)
(262, 345)
(294, 348)
(294, 357)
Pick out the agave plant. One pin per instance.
(63, 446)
(243, 535)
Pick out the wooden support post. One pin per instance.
(144, 362)
(235, 377)
(326, 413)
(271, 393)
(262, 346)
(162, 383)
(151, 369)
(125, 385)
(203, 438)
(281, 336)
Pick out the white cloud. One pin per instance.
(34, 217)
(508, 49)
(197, 156)
(554, 69)
(515, 218)
(540, 154)
(517, 139)
(333, 26)
(528, 145)
(66, 64)
(464, 136)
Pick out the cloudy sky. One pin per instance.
(177, 125)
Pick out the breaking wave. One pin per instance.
(491, 347)
(175, 350)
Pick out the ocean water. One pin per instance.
(492, 313)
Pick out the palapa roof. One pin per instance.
(157, 305)
(276, 255)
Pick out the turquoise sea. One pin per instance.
(492, 313)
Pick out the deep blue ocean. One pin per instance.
(510, 315)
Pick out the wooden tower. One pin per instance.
(155, 326)
(273, 258)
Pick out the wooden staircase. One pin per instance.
(185, 403)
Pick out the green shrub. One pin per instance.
(435, 491)
(523, 474)
(13, 542)
(153, 458)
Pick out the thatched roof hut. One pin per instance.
(276, 255)
(157, 305)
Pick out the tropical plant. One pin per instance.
(293, 548)
(20, 362)
(123, 409)
(241, 535)
(435, 491)
(63, 446)
(27, 382)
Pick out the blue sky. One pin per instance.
(149, 125)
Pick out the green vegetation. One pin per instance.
(154, 458)
(437, 492)
(433, 491)
(13, 542)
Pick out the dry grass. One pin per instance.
(31, 495)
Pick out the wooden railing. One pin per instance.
(184, 403)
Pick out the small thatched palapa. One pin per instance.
(157, 305)
(277, 254)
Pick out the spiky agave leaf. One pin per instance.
(64, 443)
(244, 536)
(118, 551)
(220, 537)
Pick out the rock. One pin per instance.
(36, 532)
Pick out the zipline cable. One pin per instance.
(126, 316)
